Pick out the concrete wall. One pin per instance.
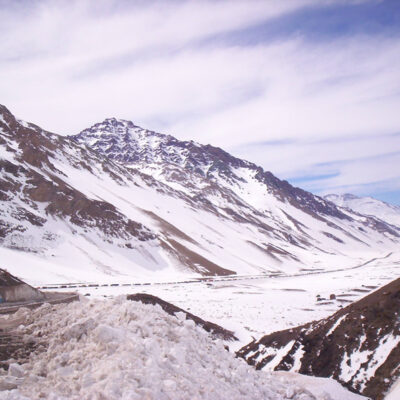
(22, 292)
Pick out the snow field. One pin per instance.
(255, 307)
(394, 392)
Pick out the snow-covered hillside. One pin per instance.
(359, 345)
(119, 349)
(200, 170)
(368, 206)
(71, 213)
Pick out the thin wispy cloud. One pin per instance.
(305, 88)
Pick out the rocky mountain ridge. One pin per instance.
(130, 144)
(194, 168)
(119, 202)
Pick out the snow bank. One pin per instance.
(321, 388)
(394, 392)
(118, 349)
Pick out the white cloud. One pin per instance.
(133, 54)
(302, 157)
(65, 65)
(315, 90)
(363, 177)
(361, 165)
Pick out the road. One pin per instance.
(211, 278)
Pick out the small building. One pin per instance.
(12, 289)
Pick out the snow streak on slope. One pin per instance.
(69, 213)
(368, 206)
(117, 349)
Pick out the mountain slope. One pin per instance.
(157, 208)
(52, 194)
(165, 157)
(359, 345)
(367, 206)
(197, 169)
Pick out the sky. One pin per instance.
(308, 89)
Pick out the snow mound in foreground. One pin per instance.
(118, 349)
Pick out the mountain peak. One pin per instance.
(340, 197)
(4, 110)
(161, 154)
(122, 140)
(5, 115)
(178, 203)
(368, 206)
(109, 123)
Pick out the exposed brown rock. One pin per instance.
(193, 260)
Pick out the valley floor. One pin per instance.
(109, 333)
(255, 306)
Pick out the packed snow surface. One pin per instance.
(117, 349)
(255, 306)
(394, 392)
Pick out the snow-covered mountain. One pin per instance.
(358, 346)
(367, 206)
(119, 203)
(199, 169)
